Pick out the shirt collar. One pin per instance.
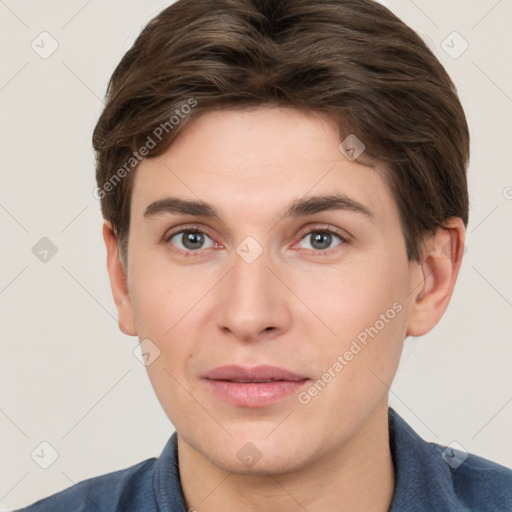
(422, 477)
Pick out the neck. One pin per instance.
(357, 476)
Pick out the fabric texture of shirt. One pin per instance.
(426, 480)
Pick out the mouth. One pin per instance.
(253, 387)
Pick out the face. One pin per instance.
(259, 252)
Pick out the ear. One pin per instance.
(440, 267)
(118, 283)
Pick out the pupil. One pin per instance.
(193, 240)
(321, 240)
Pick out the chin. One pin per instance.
(270, 463)
(256, 452)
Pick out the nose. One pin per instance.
(253, 302)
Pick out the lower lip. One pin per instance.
(255, 394)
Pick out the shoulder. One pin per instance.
(148, 486)
(477, 483)
(444, 478)
(127, 489)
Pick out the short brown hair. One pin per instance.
(352, 60)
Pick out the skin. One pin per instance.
(296, 306)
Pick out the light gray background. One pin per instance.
(67, 374)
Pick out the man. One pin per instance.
(285, 200)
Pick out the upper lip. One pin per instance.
(257, 374)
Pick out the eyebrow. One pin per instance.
(298, 208)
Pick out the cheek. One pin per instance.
(169, 308)
(165, 304)
(364, 308)
(163, 295)
(349, 300)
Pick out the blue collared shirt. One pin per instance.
(426, 480)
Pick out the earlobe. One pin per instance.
(439, 268)
(118, 283)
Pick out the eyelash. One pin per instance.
(193, 229)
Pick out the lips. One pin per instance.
(253, 387)
(259, 373)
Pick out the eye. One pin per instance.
(188, 240)
(321, 240)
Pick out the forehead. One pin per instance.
(258, 160)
